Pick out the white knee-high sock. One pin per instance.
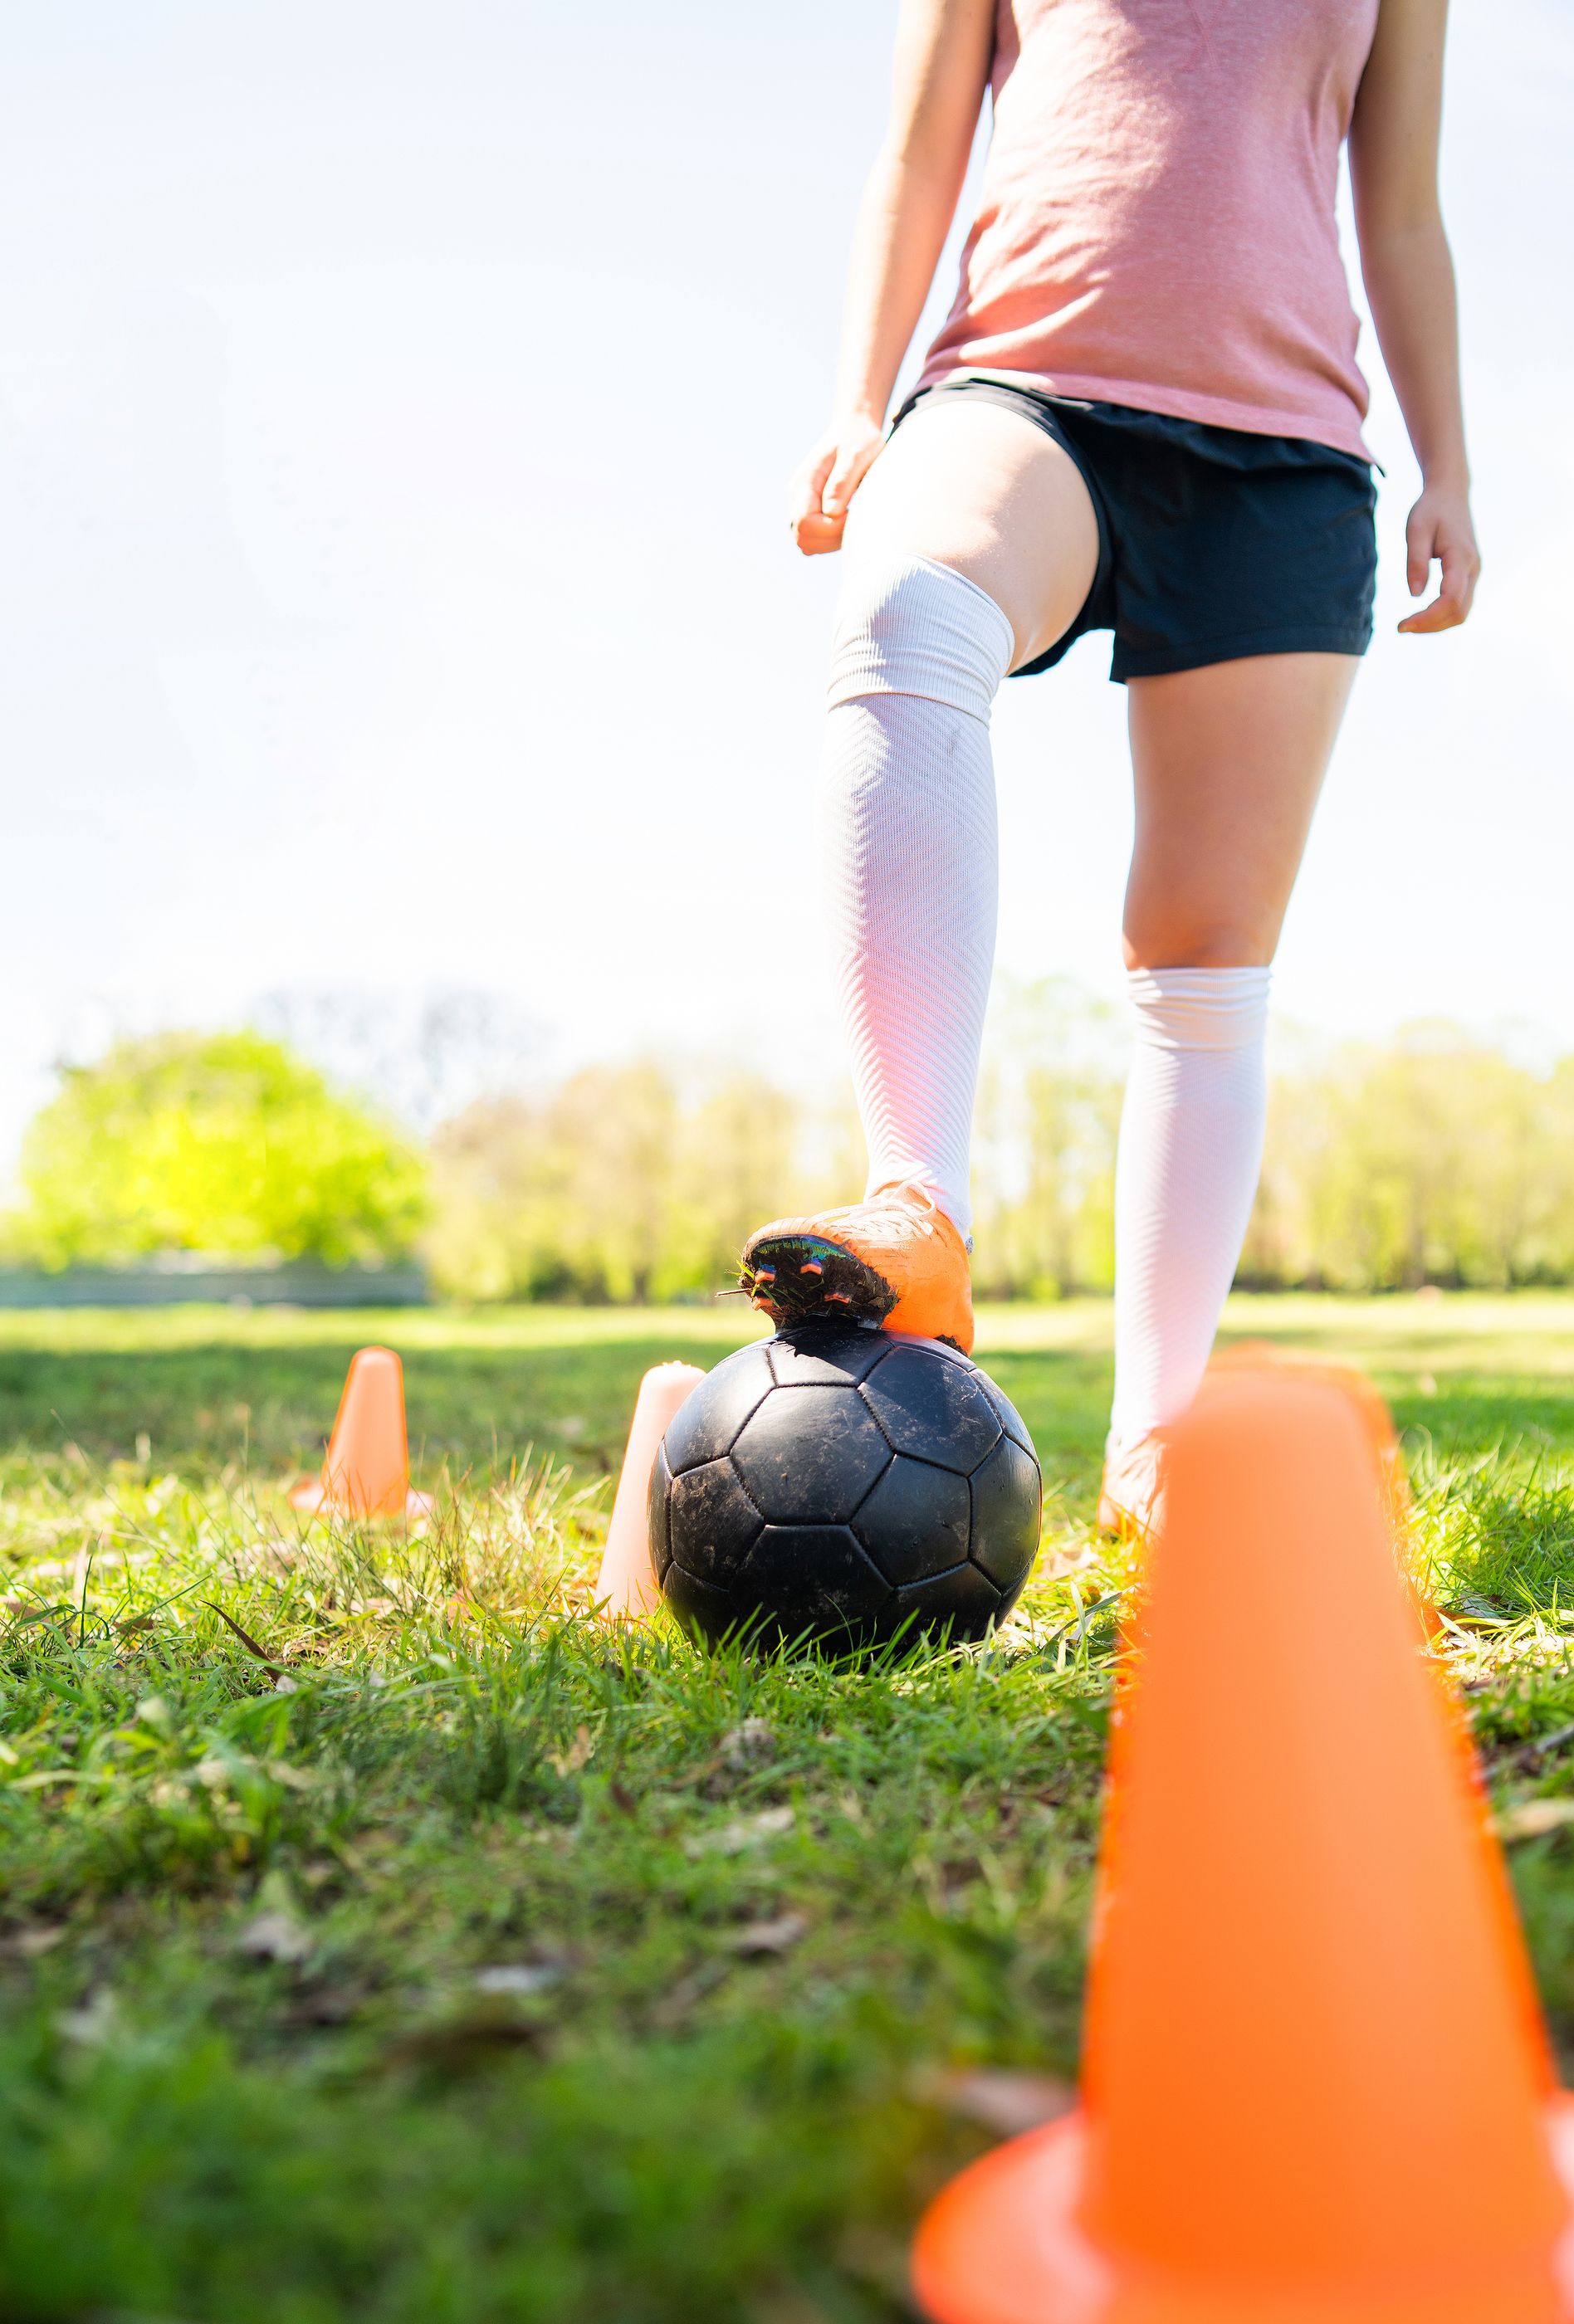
(1191, 1150)
(910, 797)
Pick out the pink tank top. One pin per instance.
(1156, 225)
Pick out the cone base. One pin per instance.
(315, 1499)
(1001, 2245)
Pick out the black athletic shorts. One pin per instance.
(1213, 543)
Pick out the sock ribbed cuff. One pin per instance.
(911, 625)
(1200, 1008)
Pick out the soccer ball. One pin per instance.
(842, 1484)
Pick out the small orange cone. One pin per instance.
(626, 1584)
(365, 1472)
(1316, 2088)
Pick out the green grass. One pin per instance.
(456, 1960)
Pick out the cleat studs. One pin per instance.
(764, 1275)
(811, 1267)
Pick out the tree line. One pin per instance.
(1433, 1156)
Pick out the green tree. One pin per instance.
(1431, 1159)
(616, 1186)
(1048, 1113)
(222, 1143)
(566, 1196)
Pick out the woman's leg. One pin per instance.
(970, 548)
(1227, 762)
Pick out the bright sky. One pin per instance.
(398, 400)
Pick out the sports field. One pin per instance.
(378, 1940)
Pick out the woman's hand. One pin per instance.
(823, 488)
(1439, 531)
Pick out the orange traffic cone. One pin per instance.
(1316, 2089)
(1254, 1355)
(365, 1472)
(626, 1584)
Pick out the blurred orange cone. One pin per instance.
(1376, 1420)
(1316, 2088)
(626, 1584)
(365, 1472)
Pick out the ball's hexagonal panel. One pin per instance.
(942, 1348)
(935, 1410)
(1010, 1419)
(1007, 1510)
(697, 1606)
(961, 1602)
(820, 1355)
(710, 1523)
(656, 1513)
(807, 1455)
(705, 1424)
(916, 1521)
(812, 1580)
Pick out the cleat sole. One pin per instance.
(795, 1279)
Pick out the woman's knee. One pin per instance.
(912, 624)
(988, 495)
(1169, 939)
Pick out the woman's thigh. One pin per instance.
(985, 492)
(1227, 762)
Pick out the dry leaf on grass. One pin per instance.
(246, 1637)
(673, 2006)
(275, 1936)
(1533, 1819)
(787, 2304)
(881, 2261)
(29, 1944)
(750, 1744)
(325, 2006)
(92, 2023)
(459, 2045)
(998, 2097)
(744, 1832)
(758, 1940)
(576, 1756)
(519, 1976)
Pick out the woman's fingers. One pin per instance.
(1451, 546)
(814, 533)
(1418, 545)
(1451, 605)
(847, 472)
(808, 486)
(823, 488)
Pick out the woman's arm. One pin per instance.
(944, 50)
(1410, 282)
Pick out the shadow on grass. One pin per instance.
(226, 1405)
(211, 1407)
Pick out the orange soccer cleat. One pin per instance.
(895, 1260)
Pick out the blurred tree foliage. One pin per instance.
(1434, 1158)
(616, 1186)
(220, 1143)
(1430, 1159)
(1049, 1108)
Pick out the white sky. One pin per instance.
(397, 402)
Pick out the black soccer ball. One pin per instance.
(843, 1485)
